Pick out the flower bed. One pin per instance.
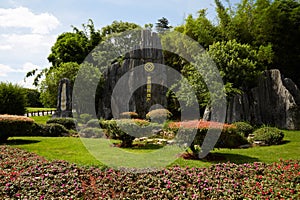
(25, 175)
(199, 124)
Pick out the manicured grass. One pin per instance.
(31, 109)
(41, 119)
(73, 150)
(56, 148)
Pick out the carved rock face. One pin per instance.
(147, 94)
(64, 99)
(273, 102)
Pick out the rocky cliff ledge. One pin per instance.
(275, 101)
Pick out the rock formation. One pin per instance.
(64, 99)
(275, 101)
(148, 52)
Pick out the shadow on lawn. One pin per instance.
(20, 142)
(222, 157)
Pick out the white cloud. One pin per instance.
(5, 47)
(29, 42)
(23, 18)
(5, 69)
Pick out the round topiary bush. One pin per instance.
(158, 115)
(129, 115)
(243, 128)
(269, 135)
(68, 123)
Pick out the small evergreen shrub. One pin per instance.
(129, 115)
(244, 128)
(92, 133)
(84, 118)
(159, 115)
(93, 123)
(270, 135)
(68, 123)
(13, 125)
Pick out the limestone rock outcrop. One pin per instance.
(275, 101)
(149, 51)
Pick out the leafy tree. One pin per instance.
(33, 98)
(200, 29)
(49, 86)
(239, 64)
(266, 22)
(162, 25)
(118, 27)
(12, 99)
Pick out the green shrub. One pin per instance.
(93, 123)
(158, 115)
(229, 137)
(13, 125)
(49, 130)
(270, 135)
(92, 133)
(127, 130)
(84, 118)
(68, 123)
(12, 99)
(244, 128)
(129, 115)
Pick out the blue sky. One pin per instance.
(28, 28)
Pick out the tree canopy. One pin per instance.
(247, 38)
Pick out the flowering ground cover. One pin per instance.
(25, 175)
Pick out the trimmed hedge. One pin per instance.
(68, 123)
(269, 135)
(244, 128)
(13, 125)
(159, 115)
(229, 138)
(49, 130)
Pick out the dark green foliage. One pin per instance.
(244, 128)
(92, 133)
(129, 115)
(33, 98)
(68, 123)
(12, 99)
(159, 115)
(269, 135)
(11, 125)
(49, 130)
(93, 123)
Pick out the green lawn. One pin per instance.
(73, 150)
(31, 109)
(41, 119)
